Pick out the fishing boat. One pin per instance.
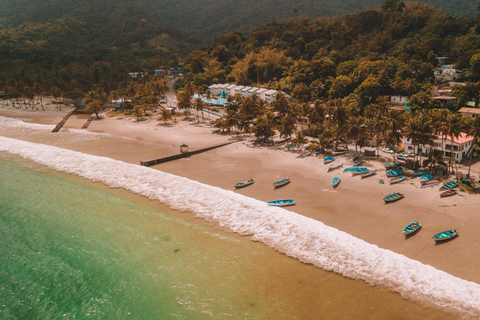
(395, 173)
(350, 168)
(328, 159)
(391, 165)
(339, 152)
(318, 151)
(403, 157)
(357, 161)
(411, 228)
(449, 185)
(426, 177)
(393, 197)
(445, 235)
(359, 171)
(429, 183)
(281, 203)
(243, 184)
(448, 193)
(335, 166)
(416, 173)
(335, 181)
(368, 174)
(398, 179)
(387, 150)
(281, 182)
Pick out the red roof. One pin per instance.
(463, 138)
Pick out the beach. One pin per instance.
(356, 206)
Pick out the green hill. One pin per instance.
(205, 19)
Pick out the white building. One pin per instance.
(269, 95)
(398, 100)
(461, 146)
(469, 112)
(244, 92)
(236, 90)
(213, 88)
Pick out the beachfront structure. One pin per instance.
(252, 91)
(244, 91)
(469, 112)
(445, 101)
(236, 90)
(461, 146)
(269, 95)
(260, 93)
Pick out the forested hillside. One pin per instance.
(75, 53)
(390, 50)
(205, 19)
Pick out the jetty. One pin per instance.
(182, 154)
(61, 123)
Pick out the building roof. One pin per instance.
(253, 89)
(231, 86)
(463, 138)
(246, 89)
(238, 88)
(444, 98)
(261, 90)
(470, 110)
(271, 91)
(223, 85)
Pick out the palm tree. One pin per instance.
(453, 128)
(286, 127)
(435, 157)
(199, 106)
(300, 139)
(264, 126)
(417, 129)
(165, 116)
(473, 129)
(355, 129)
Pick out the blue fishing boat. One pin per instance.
(359, 171)
(411, 228)
(335, 181)
(328, 159)
(357, 161)
(281, 203)
(449, 185)
(445, 235)
(350, 168)
(395, 173)
(368, 174)
(243, 184)
(397, 179)
(281, 182)
(393, 197)
(417, 173)
(426, 177)
(318, 151)
(391, 165)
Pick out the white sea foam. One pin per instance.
(297, 236)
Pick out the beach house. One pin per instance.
(469, 112)
(462, 146)
(269, 95)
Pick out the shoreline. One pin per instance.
(310, 187)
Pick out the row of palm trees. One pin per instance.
(341, 121)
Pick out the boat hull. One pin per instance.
(445, 235)
(412, 228)
(368, 174)
(335, 181)
(393, 197)
(281, 183)
(243, 184)
(281, 203)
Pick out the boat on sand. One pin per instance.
(393, 197)
(335, 166)
(448, 193)
(328, 159)
(449, 185)
(281, 183)
(281, 203)
(243, 184)
(335, 181)
(398, 179)
(445, 235)
(368, 174)
(411, 228)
